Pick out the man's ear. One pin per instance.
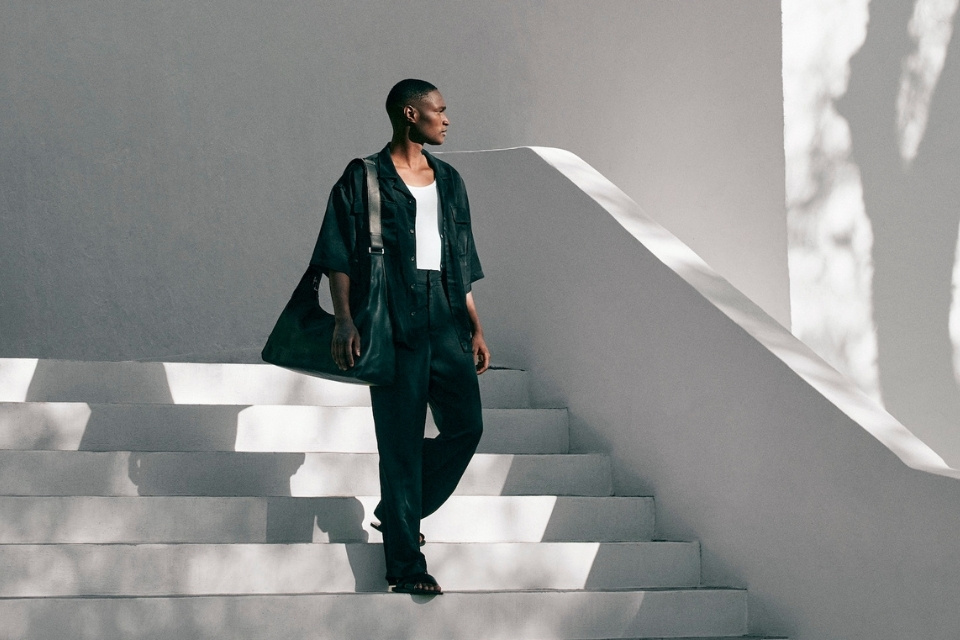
(410, 113)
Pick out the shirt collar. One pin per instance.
(389, 171)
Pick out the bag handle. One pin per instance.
(373, 206)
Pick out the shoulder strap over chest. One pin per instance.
(373, 205)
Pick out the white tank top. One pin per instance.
(429, 247)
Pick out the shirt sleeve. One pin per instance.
(476, 271)
(336, 248)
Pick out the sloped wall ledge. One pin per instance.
(833, 385)
(840, 521)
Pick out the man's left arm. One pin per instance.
(481, 354)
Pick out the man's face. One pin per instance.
(430, 122)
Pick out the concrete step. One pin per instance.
(121, 473)
(157, 427)
(23, 379)
(93, 519)
(211, 569)
(507, 615)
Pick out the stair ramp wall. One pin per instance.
(839, 520)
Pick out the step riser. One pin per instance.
(145, 427)
(492, 616)
(119, 531)
(194, 383)
(60, 473)
(178, 570)
(38, 520)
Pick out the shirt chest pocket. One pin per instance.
(389, 205)
(389, 225)
(461, 223)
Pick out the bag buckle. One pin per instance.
(376, 251)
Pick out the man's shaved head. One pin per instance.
(406, 92)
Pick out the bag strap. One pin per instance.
(373, 206)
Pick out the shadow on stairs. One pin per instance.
(179, 500)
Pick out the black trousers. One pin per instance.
(418, 474)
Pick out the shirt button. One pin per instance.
(413, 313)
(412, 259)
(412, 287)
(412, 231)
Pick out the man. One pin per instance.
(431, 263)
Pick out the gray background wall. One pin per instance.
(163, 165)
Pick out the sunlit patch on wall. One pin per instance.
(931, 28)
(830, 237)
(16, 374)
(955, 312)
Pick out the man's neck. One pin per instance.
(407, 154)
(410, 163)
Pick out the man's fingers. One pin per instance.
(336, 351)
(482, 358)
(349, 349)
(344, 348)
(353, 349)
(341, 355)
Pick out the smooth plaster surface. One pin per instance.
(832, 533)
(164, 165)
(914, 218)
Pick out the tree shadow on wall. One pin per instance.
(914, 212)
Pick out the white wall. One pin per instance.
(727, 423)
(874, 225)
(164, 165)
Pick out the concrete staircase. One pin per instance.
(185, 501)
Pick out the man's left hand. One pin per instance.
(481, 354)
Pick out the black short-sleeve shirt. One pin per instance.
(344, 239)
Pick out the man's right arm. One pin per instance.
(346, 339)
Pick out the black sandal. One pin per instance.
(379, 527)
(417, 585)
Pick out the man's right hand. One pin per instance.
(345, 345)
